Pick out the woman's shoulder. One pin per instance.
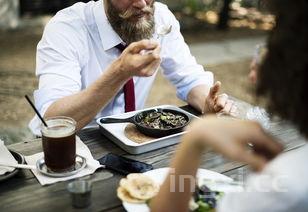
(281, 186)
(285, 177)
(292, 163)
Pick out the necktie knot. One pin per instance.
(121, 47)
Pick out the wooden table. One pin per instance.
(24, 193)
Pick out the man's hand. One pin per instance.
(133, 63)
(238, 140)
(215, 103)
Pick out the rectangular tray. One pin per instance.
(115, 132)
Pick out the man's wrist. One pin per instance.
(118, 72)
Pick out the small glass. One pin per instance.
(80, 191)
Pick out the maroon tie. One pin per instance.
(129, 89)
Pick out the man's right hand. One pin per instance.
(133, 62)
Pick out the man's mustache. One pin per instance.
(133, 12)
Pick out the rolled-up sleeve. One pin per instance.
(178, 65)
(59, 62)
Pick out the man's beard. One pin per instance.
(129, 26)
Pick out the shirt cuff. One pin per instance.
(206, 79)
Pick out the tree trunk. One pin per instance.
(224, 15)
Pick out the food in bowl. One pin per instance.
(163, 120)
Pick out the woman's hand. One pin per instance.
(238, 140)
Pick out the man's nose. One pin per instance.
(140, 4)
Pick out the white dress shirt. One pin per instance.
(281, 187)
(78, 44)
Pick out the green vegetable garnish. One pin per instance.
(203, 207)
(163, 117)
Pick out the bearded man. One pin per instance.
(100, 58)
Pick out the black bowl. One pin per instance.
(152, 132)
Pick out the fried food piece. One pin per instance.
(126, 197)
(139, 186)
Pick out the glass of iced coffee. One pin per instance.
(59, 144)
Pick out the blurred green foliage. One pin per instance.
(194, 6)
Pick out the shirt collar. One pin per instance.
(109, 37)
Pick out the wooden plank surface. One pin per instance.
(24, 193)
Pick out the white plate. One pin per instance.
(159, 175)
(115, 132)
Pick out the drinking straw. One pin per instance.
(36, 111)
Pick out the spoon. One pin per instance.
(162, 30)
(19, 166)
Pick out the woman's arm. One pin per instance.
(176, 191)
(225, 136)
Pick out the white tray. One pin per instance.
(115, 132)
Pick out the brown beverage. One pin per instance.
(59, 144)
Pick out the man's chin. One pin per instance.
(139, 18)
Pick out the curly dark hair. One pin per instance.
(283, 76)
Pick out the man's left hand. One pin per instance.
(219, 103)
